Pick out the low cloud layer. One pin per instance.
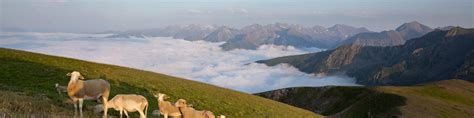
(199, 61)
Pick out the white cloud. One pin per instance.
(56, 1)
(238, 10)
(196, 11)
(200, 61)
(319, 12)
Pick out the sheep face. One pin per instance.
(180, 103)
(161, 96)
(74, 75)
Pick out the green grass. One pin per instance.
(437, 92)
(447, 99)
(35, 74)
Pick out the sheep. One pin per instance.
(80, 90)
(189, 112)
(63, 89)
(60, 89)
(221, 116)
(166, 108)
(128, 103)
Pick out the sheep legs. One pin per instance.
(142, 115)
(75, 107)
(126, 113)
(121, 113)
(104, 102)
(81, 101)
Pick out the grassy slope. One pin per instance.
(35, 74)
(448, 98)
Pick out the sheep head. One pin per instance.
(75, 74)
(180, 103)
(161, 96)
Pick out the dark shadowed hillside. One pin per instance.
(449, 98)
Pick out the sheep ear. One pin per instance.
(81, 77)
(68, 74)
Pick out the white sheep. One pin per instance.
(128, 103)
(189, 112)
(79, 90)
(60, 89)
(166, 108)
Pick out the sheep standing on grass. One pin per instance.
(189, 112)
(128, 103)
(79, 90)
(166, 108)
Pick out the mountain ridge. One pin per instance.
(254, 35)
(437, 55)
(399, 36)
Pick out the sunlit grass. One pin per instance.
(35, 74)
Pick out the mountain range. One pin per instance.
(395, 37)
(438, 55)
(253, 36)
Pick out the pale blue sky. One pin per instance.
(102, 15)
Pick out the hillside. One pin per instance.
(27, 87)
(448, 98)
(438, 55)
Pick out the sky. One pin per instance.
(106, 15)
(199, 60)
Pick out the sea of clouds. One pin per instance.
(195, 60)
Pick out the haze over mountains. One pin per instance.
(253, 36)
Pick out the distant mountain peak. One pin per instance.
(413, 29)
(414, 25)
